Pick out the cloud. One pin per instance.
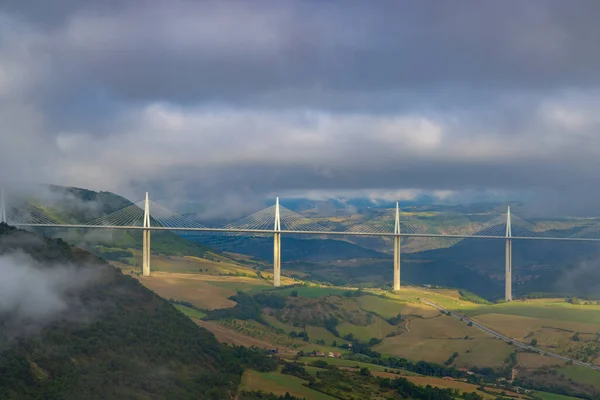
(251, 99)
(33, 295)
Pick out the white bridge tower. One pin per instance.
(397, 250)
(508, 259)
(277, 247)
(146, 239)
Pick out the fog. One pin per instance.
(33, 295)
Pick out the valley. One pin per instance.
(335, 310)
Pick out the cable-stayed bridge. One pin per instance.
(276, 220)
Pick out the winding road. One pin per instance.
(507, 339)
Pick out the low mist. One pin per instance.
(583, 279)
(33, 295)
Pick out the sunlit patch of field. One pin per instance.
(203, 291)
(482, 352)
(463, 387)
(436, 339)
(556, 310)
(420, 310)
(534, 361)
(518, 327)
(378, 329)
(387, 308)
(581, 375)
(279, 384)
(190, 312)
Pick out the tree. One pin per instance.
(534, 342)
(334, 344)
(364, 371)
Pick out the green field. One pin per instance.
(351, 364)
(279, 384)
(378, 329)
(581, 375)
(387, 308)
(316, 332)
(552, 396)
(556, 310)
(190, 312)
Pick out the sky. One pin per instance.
(233, 101)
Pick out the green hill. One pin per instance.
(79, 206)
(107, 338)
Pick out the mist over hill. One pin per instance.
(70, 323)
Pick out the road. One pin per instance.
(507, 339)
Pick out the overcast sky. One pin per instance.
(225, 99)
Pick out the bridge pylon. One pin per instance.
(397, 250)
(508, 259)
(277, 247)
(146, 239)
(3, 219)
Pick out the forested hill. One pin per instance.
(112, 338)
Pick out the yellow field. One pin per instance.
(518, 327)
(533, 361)
(387, 308)
(279, 384)
(436, 339)
(463, 387)
(203, 291)
(378, 329)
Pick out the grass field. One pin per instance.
(387, 308)
(556, 310)
(279, 384)
(518, 327)
(463, 387)
(190, 312)
(351, 364)
(552, 396)
(203, 291)
(378, 329)
(581, 375)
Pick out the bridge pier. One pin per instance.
(277, 247)
(146, 239)
(508, 260)
(397, 251)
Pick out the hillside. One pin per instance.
(79, 206)
(78, 328)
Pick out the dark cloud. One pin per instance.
(216, 99)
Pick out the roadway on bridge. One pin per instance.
(507, 339)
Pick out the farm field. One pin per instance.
(518, 327)
(279, 384)
(484, 352)
(203, 291)
(463, 387)
(582, 375)
(387, 308)
(378, 329)
(556, 310)
(190, 312)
